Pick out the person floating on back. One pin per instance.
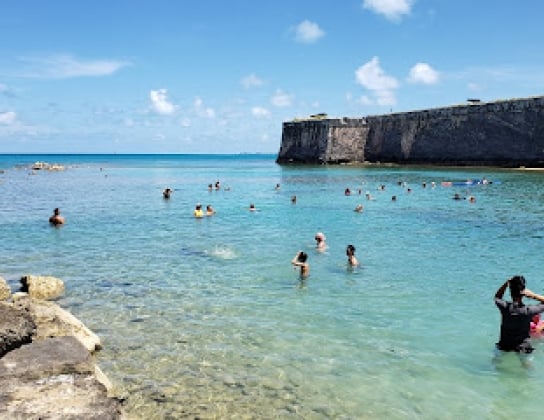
(56, 219)
(516, 316)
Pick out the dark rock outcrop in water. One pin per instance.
(502, 133)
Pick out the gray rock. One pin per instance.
(53, 321)
(42, 287)
(5, 290)
(53, 379)
(16, 327)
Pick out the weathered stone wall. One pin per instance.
(502, 133)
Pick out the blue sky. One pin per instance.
(218, 76)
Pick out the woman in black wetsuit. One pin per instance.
(516, 316)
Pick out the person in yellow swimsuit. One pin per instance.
(198, 213)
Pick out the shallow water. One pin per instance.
(208, 318)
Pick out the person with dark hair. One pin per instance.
(352, 260)
(299, 260)
(516, 316)
(56, 219)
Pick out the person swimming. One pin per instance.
(166, 193)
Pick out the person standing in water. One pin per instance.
(56, 219)
(516, 316)
(320, 242)
(352, 260)
(299, 260)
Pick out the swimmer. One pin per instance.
(347, 191)
(252, 207)
(472, 199)
(299, 260)
(56, 219)
(198, 213)
(359, 208)
(277, 187)
(294, 199)
(352, 260)
(209, 210)
(166, 193)
(217, 185)
(320, 242)
(393, 198)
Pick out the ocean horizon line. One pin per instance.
(132, 154)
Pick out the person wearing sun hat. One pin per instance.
(320, 241)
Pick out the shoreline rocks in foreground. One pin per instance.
(47, 368)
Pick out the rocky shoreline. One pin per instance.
(47, 367)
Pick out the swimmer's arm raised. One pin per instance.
(295, 260)
(501, 290)
(528, 293)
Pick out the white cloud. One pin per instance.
(260, 112)
(201, 110)
(393, 10)
(308, 32)
(251, 81)
(8, 118)
(281, 99)
(424, 74)
(371, 76)
(160, 103)
(66, 66)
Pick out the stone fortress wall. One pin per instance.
(507, 133)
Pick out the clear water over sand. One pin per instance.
(208, 318)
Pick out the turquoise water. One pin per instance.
(208, 318)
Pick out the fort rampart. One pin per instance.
(507, 133)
